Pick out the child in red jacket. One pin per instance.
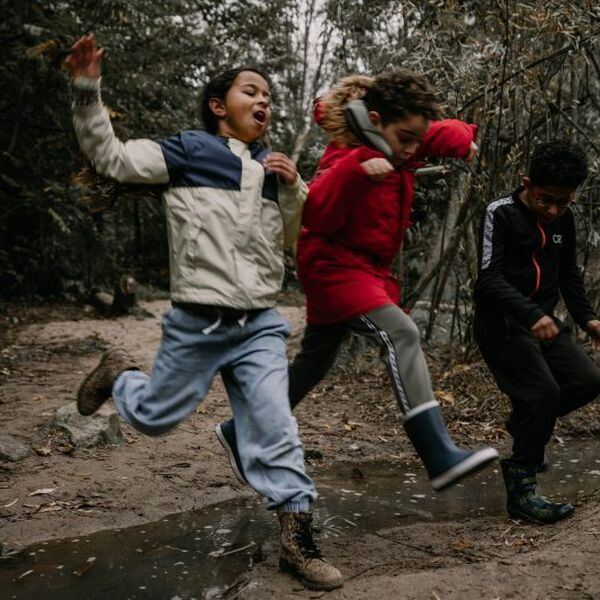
(354, 221)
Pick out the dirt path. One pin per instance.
(350, 418)
(467, 560)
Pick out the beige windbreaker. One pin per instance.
(228, 221)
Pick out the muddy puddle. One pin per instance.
(206, 554)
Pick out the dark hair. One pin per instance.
(401, 93)
(558, 163)
(218, 87)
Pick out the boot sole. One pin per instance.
(469, 466)
(285, 567)
(230, 456)
(87, 413)
(524, 517)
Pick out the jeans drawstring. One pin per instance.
(241, 322)
(212, 327)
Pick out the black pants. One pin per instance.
(544, 379)
(399, 342)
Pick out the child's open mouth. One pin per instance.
(260, 116)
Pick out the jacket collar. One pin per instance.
(257, 150)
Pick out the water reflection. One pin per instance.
(201, 554)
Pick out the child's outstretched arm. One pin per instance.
(292, 192)
(136, 161)
(449, 137)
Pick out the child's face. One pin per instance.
(547, 202)
(245, 113)
(403, 135)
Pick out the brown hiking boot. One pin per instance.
(97, 386)
(301, 557)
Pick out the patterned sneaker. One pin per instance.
(226, 434)
(300, 556)
(97, 386)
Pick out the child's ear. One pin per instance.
(217, 106)
(527, 182)
(374, 117)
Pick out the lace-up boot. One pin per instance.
(300, 555)
(97, 386)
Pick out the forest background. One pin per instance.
(524, 71)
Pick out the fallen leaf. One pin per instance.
(46, 449)
(462, 545)
(23, 575)
(446, 397)
(53, 507)
(42, 491)
(83, 569)
(11, 503)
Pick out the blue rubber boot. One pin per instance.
(445, 462)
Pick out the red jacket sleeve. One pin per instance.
(336, 187)
(449, 137)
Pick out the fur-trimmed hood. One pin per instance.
(330, 109)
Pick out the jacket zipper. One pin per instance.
(538, 270)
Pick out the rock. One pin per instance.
(103, 427)
(102, 302)
(12, 449)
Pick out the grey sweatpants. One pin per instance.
(398, 339)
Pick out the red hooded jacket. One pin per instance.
(354, 226)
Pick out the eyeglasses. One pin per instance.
(561, 203)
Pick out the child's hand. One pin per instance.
(593, 328)
(377, 169)
(472, 152)
(544, 328)
(85, 59)
(279, 163)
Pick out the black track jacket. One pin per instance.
(524, 265)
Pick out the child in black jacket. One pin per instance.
(527, 259)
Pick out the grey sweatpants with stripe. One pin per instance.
(398, 339)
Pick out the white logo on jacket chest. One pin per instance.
(557, 239)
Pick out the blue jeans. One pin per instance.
(251, 358)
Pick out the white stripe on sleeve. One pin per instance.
(488, 230)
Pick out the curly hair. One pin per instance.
(393, 95)
(559, 163)
(332, 108)
(401, 93)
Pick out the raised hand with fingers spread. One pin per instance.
(85, 59)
